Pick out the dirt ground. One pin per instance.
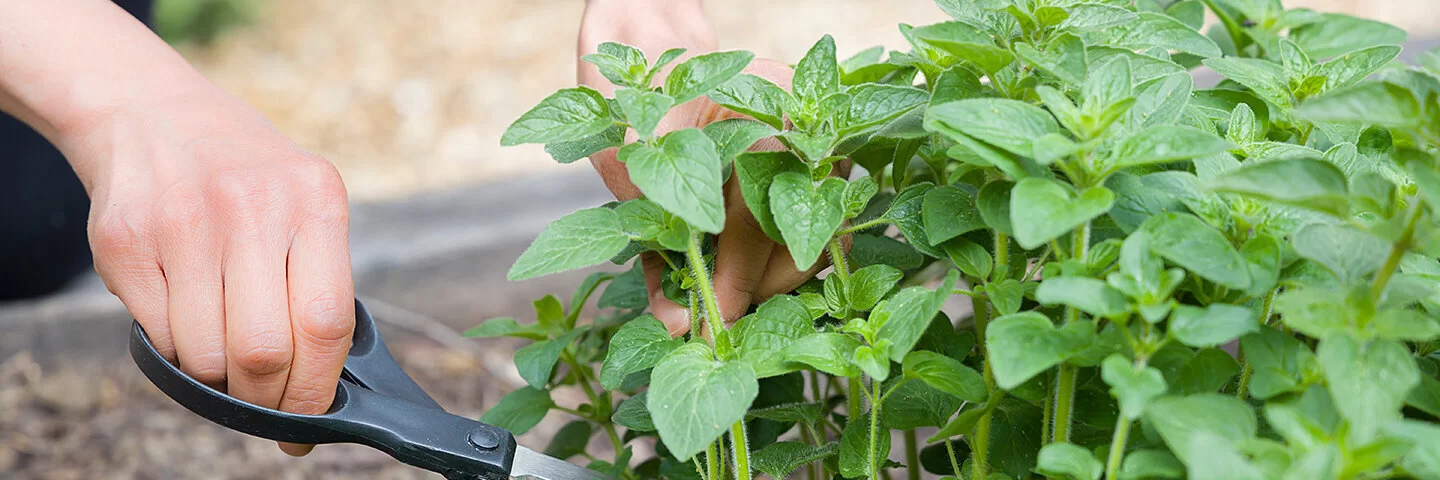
(410, 96)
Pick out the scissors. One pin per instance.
(376, 404)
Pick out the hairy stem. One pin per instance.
(712, 460)
(702, 281)
(954, 462)
(855, 398)
(1002, 256)
(1117, 448)
(741, 444)
(1397, 251)
(863, 226)
(700, 468)
(912, 456)
(1242, 389)
(980, 444)
(1065, 380)
(837, 258)
(875, 432)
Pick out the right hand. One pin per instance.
(228, 243)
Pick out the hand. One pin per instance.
(749, 266)
(228, 243)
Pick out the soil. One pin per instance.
(94, 422)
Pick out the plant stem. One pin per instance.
(854, 401)
(820, 434)
(702, 281)
(954, 463)
(1117, 448)
(980, 444)
(875, 432)
(1242, 389)
(1002, 256)
(1397, 251)
(700, 469)
(741, 444)
(837, 258)
(912, 456)
(712, 460)
(1065, 380)
(863, 226)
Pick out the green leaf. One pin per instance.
(1167, 143)
(869, 284)
(1096, 15)
(1210, 456)
(874, 104)
(506, 327)
(817, 75)
(904, 317)
(1281, 363)
(1042, 210)
(682, 175)
(945, 374)
(1351, 68)
(807, 413)
(858, 193)
(699, 75)
(1184, 422)
(570, 151)
(638, 345)
(1151, 465)
(814, 147)
(756, 172)
(1423, 460)
(855, 446)
(916, 405)
(967, 43)
(694, 399)
(586, 237)
(1384, 104)
(570, 440)
(806, 215)
(1064, 58)
(569, 114)
(970, 257)
(1133, 387)
(827, 352)
(1158, 30)
(1006, 295)
(621, 64)
(1025, 344)
(633, 414)
(643, 109)
(1087, 294)
(1008, 124)
(1307, 183)
(882, 250)
(1063, 460)
(779, 459)
(1188, 242)
(736, 135)
(1213, 325)
(1266, 79)
(1369, 383)
(520, 410)
(1405, 325)
(754, 96)
(1335, 34)
(1344, 250)
(1207, 371)
(907, 211)
(948, 212)
(993, 201)
(536, 361)
(763, 335)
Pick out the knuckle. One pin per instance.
(207, 369)
(327, 317)
(263, 354)
(244, 194)
(323, 189)
(180, 210)
(119, 233)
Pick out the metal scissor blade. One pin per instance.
(532, 465)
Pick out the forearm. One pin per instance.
(67, 65)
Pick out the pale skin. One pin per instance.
(749, 266)
(227, 241)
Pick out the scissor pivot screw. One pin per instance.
(484, 439)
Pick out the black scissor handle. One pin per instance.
(376, 404)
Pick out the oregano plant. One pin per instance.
(1169, 280)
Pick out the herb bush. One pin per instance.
(1115, 226)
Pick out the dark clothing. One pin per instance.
(43, 208)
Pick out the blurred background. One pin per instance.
(409, 100)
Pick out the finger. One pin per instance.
(322, 313)
(190, 254)
(257, 317)
(781, 276)
(129, 263)
(676, 318)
